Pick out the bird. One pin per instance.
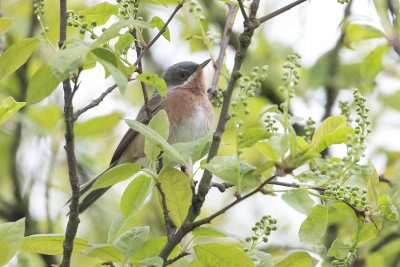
(190, 115)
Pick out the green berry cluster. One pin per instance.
(247, 88)
(77, 21)
(197, 10)
(309, 129)
(218, 98)
(38, 8)
(127, 8)
(343, 1)
(345, 109)
(270, 124)
(350, 194)
(261, 230)
(291, 75)
(363, 124)
(346, 261)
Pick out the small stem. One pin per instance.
(243, 11)
(171, 228)
(280, 11)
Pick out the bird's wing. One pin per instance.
(130, 135)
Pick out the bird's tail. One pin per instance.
(92, 196)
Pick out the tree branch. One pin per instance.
(180, 255)
(73, 220)
(169, 225)
(243, 11)
(224, 44)
(163, 29)
(280, 11)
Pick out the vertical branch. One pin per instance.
(73, 220)
(169, 225)
(224, 44)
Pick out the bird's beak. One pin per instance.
(202, 65)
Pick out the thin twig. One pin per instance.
(224, 44)
(163, 29)
(243, 11)
(280, 11)
(383, 179)
(222, 187)
(180, 255)
(171, 228)
(234, 203)
(94, 102)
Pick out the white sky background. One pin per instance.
(312, 29)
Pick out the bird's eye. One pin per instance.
(182, 75)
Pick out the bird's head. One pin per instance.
(186, 73)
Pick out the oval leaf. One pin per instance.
(131, 241)
(11, 236)
(5, 24)
(116, 174)
(135, 194)
(213, 254)
(298, 259)
(300, 200)
(50, 244)
(178, 194)
(153, 80)
(314, 227)
(42, 84)
(160, 124)
(8, 107)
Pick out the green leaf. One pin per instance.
(298, 259)
(159, 23)
(5, 24)
(225, 167)
(131, 241)
(268, 151)
(390, 210)
(50, 244)
(152, 248)
(65, 62)
(124, 43)
(252, 136)
(373, 187)
(114, 29)
(360, 32)
(135, 194)
(331, 131)
(116, 174)
(204, 231)
(118, 76)
(314, 227)
(42, 84)
(261, 258)
(220, 255)
(160, 124)
(368, 232)
(373, 64)
(108, 55)
(117, 224)
(104, 252)
(44, 118)
(11, 235)
(153, 261)
(340, 248)
(16, 55)
(8, 107)
(154, 137)
(97, 125)
(99, 13)
(178, 193)
(375, 259)
(152, 79)
(4, 251)
(300, 200)
(195, 149)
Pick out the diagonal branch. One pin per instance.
(224, 44)
(171, 228)
(243, 11)
(280, 11)
(163, 29)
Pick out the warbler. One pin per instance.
(190, 116)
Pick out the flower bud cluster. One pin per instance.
(261, 230)
(217, 100)
(291, 75)
(246, 89)
(309, 129)
(363, 124)
(38, 8)
(350, 194)
(78, 21)
(197, 10)
(343, 1)
(127, 8)
(345, 109)
(270, 124)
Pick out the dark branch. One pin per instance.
(383, 179)
(280, 11)
(180, 256)
(163, 29)
(224, 44)
(243, 11)
(169, 225)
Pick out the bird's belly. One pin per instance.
(191, 128)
